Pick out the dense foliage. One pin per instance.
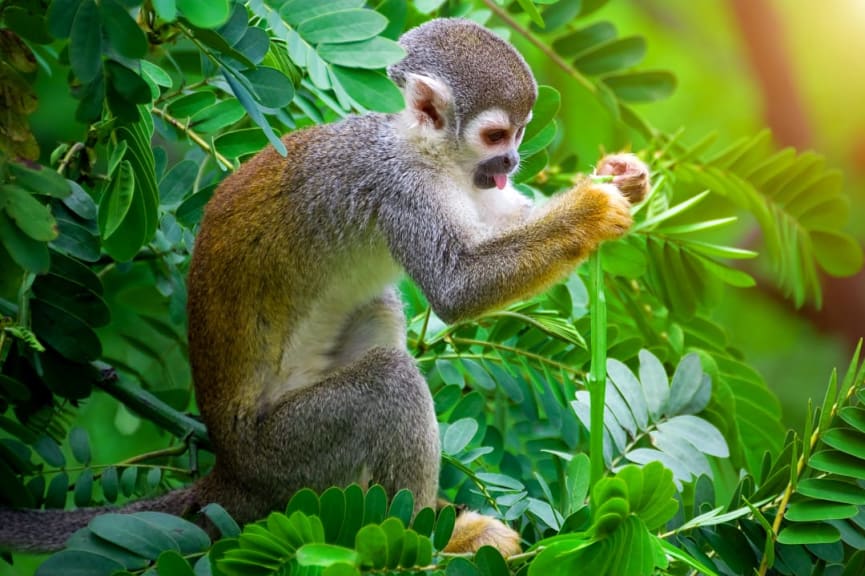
(688, 469)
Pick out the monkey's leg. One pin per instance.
(372, 420)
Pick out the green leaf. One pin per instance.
(831, 489)
(444, 527)
(129, 85)
(623, 259)
(217, 117)
(461, 567)
(297, 11)
(854, 416)
(189, 213)
(92, 101)
(110, 483)
(836, 462)
(166, 9)
(643, 86)
(78, 563)
(221, 519)
(326, 555)
(177, 182)
(255, 44)
(544, 111)
(458, 435)
(159, 76)
(304, 500)
(84, 488)
(343, 26)
(371, 546)
(270, 86)
(579, 41)
(726, 274)
(424, 521)
(654, 380)
(85, 42)
(31, 216)
(60, 15)
(39, 179)
(248, 102)
(171, 563)
(55, 497)
(685, 386)
(80, 201)
(490, 562)
(186, 106)
(845, 440)
(117, 199)
(154, 477)
(375, 505)
(128, 480)
(539, 141)
(67, 334)
(205, 13)
(372, 90)
(122, 30)
(239, 143)
(838, 254)
(816, 510)
(560, 13)
(28, 253)
(189, 537)
(532, 10)
(808, 533)
(630, 390)
(369, 54)
(531, 167)
(402, 506)
(612, 55)
(700, 433)
(341, 569)
(48, 449)
(720, 251)
(80, 444)
(132, 533)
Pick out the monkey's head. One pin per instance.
(469, 89)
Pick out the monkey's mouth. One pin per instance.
(484, 180)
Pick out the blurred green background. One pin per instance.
(743, 65)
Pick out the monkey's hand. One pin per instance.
(473, 530)
(630, 175)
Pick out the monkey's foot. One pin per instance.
(473, 530)
(630, 175)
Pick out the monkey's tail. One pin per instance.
(23, 530)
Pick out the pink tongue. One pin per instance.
(501, 180)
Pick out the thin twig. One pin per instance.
(67, 158)
(194, 136)
(514, 350)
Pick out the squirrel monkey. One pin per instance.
(296, 332)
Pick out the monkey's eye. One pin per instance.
(495, 136)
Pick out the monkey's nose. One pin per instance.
(510, 160)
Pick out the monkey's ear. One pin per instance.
(428, 100)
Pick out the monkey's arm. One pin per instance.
(463, 278)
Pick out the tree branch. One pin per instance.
(152, 408)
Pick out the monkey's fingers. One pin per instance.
(630, 175)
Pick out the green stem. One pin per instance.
(598, 370)
(152, 408)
